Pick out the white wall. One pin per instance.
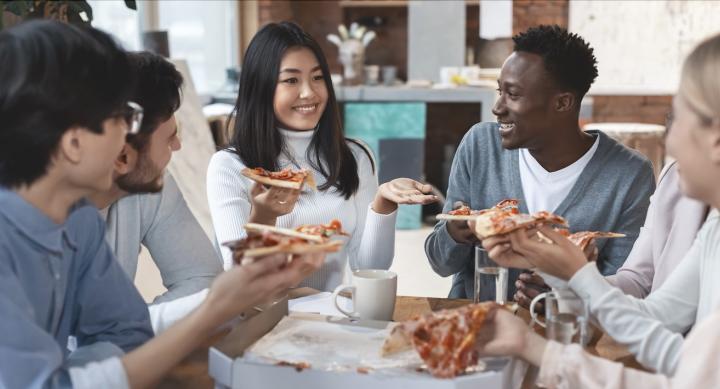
(436, 37)
(640, 45)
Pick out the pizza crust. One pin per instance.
(398, 340)
(255, 227)
(294, 248)
(444, 340)
(445, 216)
(309, 180)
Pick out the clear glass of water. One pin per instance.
(490, 279)
(566, 317)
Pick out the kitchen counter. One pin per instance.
(353, 94)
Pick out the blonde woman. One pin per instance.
(694, 140)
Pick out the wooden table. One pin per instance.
(193, 371)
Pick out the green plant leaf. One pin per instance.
(18, 7)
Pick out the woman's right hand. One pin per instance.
(270, 203)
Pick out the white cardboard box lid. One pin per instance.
(230, 371)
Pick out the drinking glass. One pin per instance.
(490, 279)
(566, 316)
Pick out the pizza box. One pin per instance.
(232, 370)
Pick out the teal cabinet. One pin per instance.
(396, 134)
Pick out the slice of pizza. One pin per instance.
(502, 222)
(286, 178)
(325, 230)
(264, 240)
(465, 213)
(444, 340)
(581, 239)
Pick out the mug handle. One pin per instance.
(336, 293)
(532, 308)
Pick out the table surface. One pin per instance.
(193, 371)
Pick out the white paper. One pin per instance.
(320, 303)
(329, 346)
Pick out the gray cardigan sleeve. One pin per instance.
(447, 256)
(635, 206)
(182, 251)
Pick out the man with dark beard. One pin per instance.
(145, 207)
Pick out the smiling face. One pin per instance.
(301, 93)
(147, 174)
(694, 141)
(525, 106)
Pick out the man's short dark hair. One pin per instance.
(157, 90)
(567, 57)
(54, 76)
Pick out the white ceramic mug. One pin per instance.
(373, 294)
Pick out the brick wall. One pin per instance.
(529, 13)
(390, 46)
(274, 11)
(307, 14)
(640, 109)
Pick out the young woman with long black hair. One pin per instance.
(287, 116)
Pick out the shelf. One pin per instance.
(385, 3)
(373, 3)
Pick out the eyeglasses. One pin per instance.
(132, 114)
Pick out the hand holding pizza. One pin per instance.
(500, 250)
(241, 287)
(558, 257)
(401, 191)
(461, 230)
(270, 203)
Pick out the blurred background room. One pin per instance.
(428, 72)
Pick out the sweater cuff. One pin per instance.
(550, 368)
(379, 227)
(109, 373)
(552, 281)
(382, 218)
(164, 315)
(590, 282)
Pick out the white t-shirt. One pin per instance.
(544, 191)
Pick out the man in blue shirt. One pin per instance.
(65, 114)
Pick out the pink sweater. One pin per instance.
(570, 367)
(670, 227)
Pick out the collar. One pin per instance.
(32, 223)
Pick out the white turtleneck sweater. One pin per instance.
(372, 236)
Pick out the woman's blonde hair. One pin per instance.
(700, 79)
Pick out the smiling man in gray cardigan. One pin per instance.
(538, 154)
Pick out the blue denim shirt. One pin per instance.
(58, 280)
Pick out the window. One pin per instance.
(202, 32)
(119, 20)
(205, 33)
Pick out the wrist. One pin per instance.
(382, 205)
(533, 348)
(573, 269)
(205, 319)
(261, 217)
